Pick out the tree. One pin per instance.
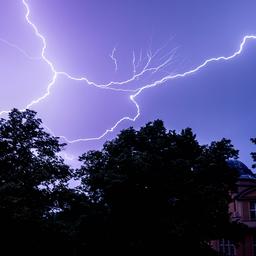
(253, 154)
(80, 227)
(32, 176)
(163, 190)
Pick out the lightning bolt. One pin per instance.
(23, 52)
(146, 70)
(112, 56)
(162, 81)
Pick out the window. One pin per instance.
(227, 248)
(253, 210)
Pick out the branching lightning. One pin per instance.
(139, 69)
(162, 81)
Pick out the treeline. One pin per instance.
(147, 191)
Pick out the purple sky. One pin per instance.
(84, 39)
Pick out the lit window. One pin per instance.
(253, 210)
(227, 248)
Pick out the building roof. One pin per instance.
(244, 171)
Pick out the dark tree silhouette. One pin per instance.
(32, 177)
(83, 226)
(162, 190)
(147, 191)
(253, 154)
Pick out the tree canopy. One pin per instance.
(162, 189)
(31, 175)
(146, 191)
(253, 154)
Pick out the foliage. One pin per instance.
(146, 191)
(32, 175)
(162, 189)
(253, 154)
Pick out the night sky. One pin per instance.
(133, 43)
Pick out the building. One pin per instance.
(243, 209)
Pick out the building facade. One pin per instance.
(243, 209)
